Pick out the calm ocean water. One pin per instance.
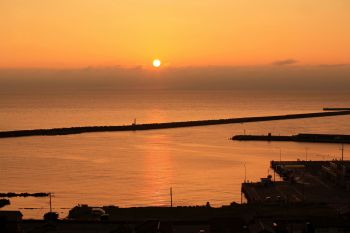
(138, 168)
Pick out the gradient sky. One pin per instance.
(80, 33)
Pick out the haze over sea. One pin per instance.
(138, 168)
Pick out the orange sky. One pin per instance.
(79, 33)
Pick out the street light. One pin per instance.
(306, 153)
(245, 172)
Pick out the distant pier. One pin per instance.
(325, 138)
(336, 109)
(167, 125)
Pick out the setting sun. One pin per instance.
(156, 63)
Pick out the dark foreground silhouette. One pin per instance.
(167, 125)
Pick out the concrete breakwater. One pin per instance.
(327, 138)
(167, 125)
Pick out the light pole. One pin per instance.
(245, 172)
(306, 153)
(280, 155)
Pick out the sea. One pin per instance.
(138, 168)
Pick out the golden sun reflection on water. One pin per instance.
(158, 169)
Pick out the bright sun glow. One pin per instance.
(156, 62)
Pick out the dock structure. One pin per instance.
(276, 192)
(303, 182)
(166, 125)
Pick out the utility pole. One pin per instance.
(342, 152)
